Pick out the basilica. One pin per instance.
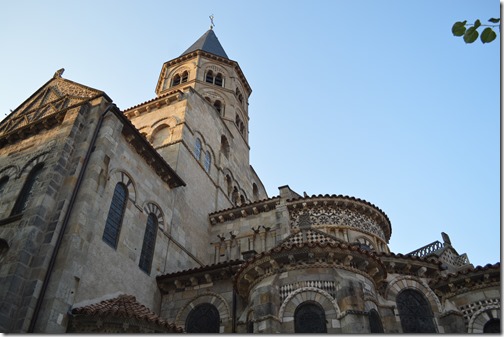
(152, 219)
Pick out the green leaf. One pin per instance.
(477, 23)
(458, 28)
(488, 35)
(494, 20)
(471, 35)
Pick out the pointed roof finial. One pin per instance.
(58, 73)
(211, 21)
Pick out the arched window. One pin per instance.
(414, 312)
(309, 317)
(375, 323)
(225, 146)
(4, 248)
(149, 243)
(203, 318)
(218, 106)
(176, 80)
(209, 77)
(3, 184)
(250, 323)
(228, 183)
(255, 191)
(197, 149)
(161, 135)
(185, 75)
(27, 189)
(115, 215)
(492, 326)
(218, 80)
(242, 200)
(208, 161)
(234, 196)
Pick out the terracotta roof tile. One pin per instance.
(125, 306)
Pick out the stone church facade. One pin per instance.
(152, 219)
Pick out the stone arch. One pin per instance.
(401, 283)
(216, 69)
(197, 134)
(178, 70)
(161, 135)
(289, 305)
(10, 171)
(151, 207)
(120, 176)
(171, 121)
(482, 316)
(213, 298)
(32, 163)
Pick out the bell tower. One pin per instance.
(206, 68)
(199, 123)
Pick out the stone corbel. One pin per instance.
(347, 260)
(208, 278)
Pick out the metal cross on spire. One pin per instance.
(211, 21)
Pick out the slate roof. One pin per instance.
(209, 43)
(125, 306)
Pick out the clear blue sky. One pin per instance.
(372, 99)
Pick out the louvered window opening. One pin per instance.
(176, 80)
(149, 243)
(209, 77)
(185, 75)
(115, 215)
(27, 190)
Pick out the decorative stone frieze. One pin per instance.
(339, 211)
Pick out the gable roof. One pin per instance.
(46, 108)
(209, 43)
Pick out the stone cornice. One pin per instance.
(411, 265)
(244, 211)
(155, 103)
(308, 255)
(467, 280)
(200, 277)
